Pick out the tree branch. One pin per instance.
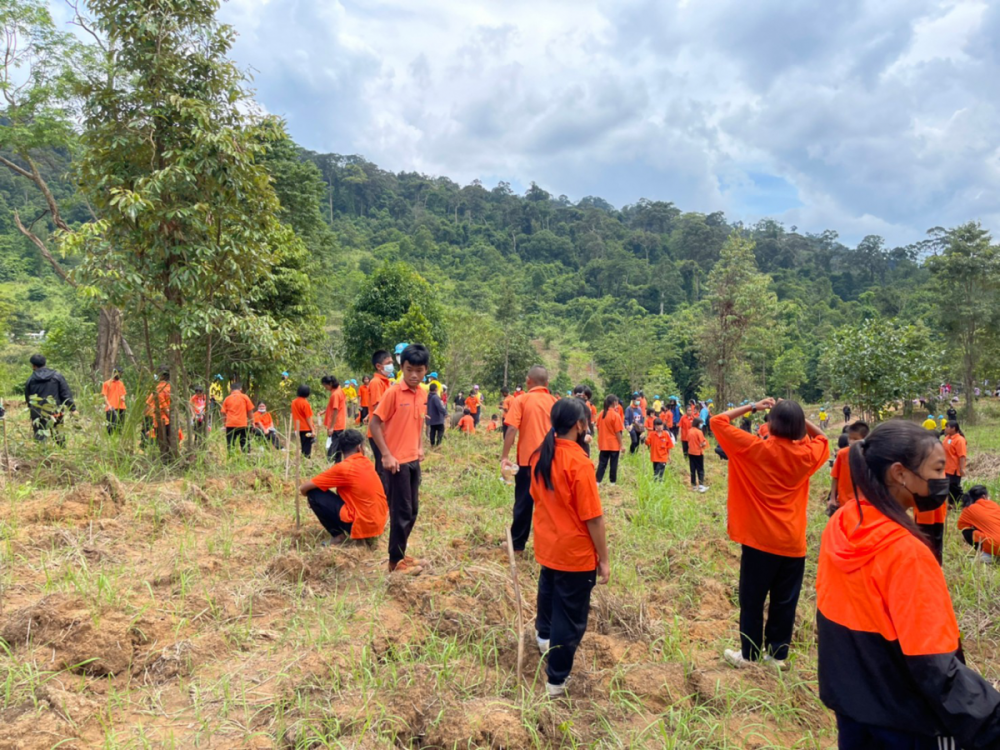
(16, 169)
(60, 271)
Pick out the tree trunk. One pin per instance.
(109, 337)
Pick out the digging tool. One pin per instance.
(517, 600)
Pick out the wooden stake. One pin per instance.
(6, 450)
(517, 599)
(288, 448)
(298, 472)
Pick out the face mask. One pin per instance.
(937, 493)
(389, 370)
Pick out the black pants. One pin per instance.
(403, 494)
(563, 607)
(326, 505)
(675, 431)
(697, 466)
(306, 443)
(115, 418)
(969, 535)
(271, 437)
(764, 575)
(635, 436)
(45, 427)
(603, 459)
(524, 508)
(237, 434)
(333, 452)
(475, 417)
(954, 490)
(853, 735)
(364, 414)
(684, 446)
(935, 533)
(658, 469)
(437, 434)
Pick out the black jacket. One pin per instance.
(47, 385)
(436, 410)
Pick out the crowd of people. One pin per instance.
(890, 660)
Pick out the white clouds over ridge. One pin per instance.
(860, 116)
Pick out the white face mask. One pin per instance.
(389, 370)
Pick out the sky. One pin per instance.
(865, 117)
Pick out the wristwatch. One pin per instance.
(753, 409)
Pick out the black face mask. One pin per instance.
(937, 493)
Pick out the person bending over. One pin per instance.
(979, 522)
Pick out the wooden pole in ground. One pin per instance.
(517, 600)
(288, 447)
(298, 480)
(6, 450)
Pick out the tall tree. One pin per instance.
(190, 224)
(967, 276)
(742, 305)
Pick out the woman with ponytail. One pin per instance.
(570, 540)
(890, 660)
(610, 426)
(956, 450)
(979, 523)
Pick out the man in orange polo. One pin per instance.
(114, 401)
(380, 383)
(472, 404)
(237, 409)
(397, 429)
(528, 421)
(335, 416)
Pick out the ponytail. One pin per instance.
(953, 423)
(895, 441)
(566, 414)
(609, 403)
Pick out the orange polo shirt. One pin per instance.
(842, 473)
(608, 427)
(359, 486)
(376, 389)
(336, 401)
(531, 416)
(237, 408)
(472, 404)
(491, 426)
(696, 442)
(163, 396)
(508, 402)
(114, 394)
(983, 516)
(562, 541)
(263, 420)
(659, 446)
(302, 414)
(402, 411)
(198, 403)
(467, 424)
(955, 448)
(363, 395)
(685, 426)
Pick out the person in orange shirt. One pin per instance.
(527, 423)
(114, 401)
(467, 424)
(494, 424)
(364, 400)
(198, 404)
(237, 409)
(956, 450)
(765, 428)
(696, 455)
(472, 405)
(506, 402)
(570, 539)
(518, 392)
(842, 488)
(158, 418)
(685, 426)
(398, 430)
(610, 445)
(891, 665)
(650, 420)
(932, 522)
(380, 383)
(263, 426)
(335, 417)
(979, 523)
(660, 442)
(768, 502)
(302, 419)
(348, 498)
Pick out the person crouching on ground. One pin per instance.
(570, 539)
(767, 509)
(979, 523)
(467, 423)
(348, 498)
(263, 426)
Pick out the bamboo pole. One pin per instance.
(517, 599)
(288, 447)
(298, 481)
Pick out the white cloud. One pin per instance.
(863, 115)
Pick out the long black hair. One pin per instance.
(566, 414)
(953, 423)
(895, 441)
(974, 495)
(609, 403)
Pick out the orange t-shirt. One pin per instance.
(114, 394)
(531, 416)
(472, 404)
(769, 487)
(376, 389)
(955, 448)
(668, 418)
(359, 486)
(402, 413)
(336, 401)
(620, 410)
(302, 414)
(491, 426)
(163, 396)
(696, 442)
(467, 424)
(764, 430)
(983, 516)
(508, 402)
(263, 420)
(659, 444)
(649, 423)
(198, 403)
(518, 394)
(608, 428)
(685, 427)
(236, 408)
(562, 541)
(842, 473)
(593, 412)
(363, 395)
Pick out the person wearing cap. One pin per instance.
(198, 406)
(350, 397)
(285, 386)
(113, 391)
(635, 422)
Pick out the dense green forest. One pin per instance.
(649, 295)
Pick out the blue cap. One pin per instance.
(218, 377)
(656, 397)
(400, 348)
(433, 375)
(284, 374)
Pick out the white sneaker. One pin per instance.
(735, 659)
(702, 488)
(986, 558)
(556, 691)
(772, 662)
(543, 644)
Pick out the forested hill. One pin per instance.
(594, 283)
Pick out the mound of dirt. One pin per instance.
(984, 466)
(479, 723)
(65, 625)
(290, 567)
(659, 685)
